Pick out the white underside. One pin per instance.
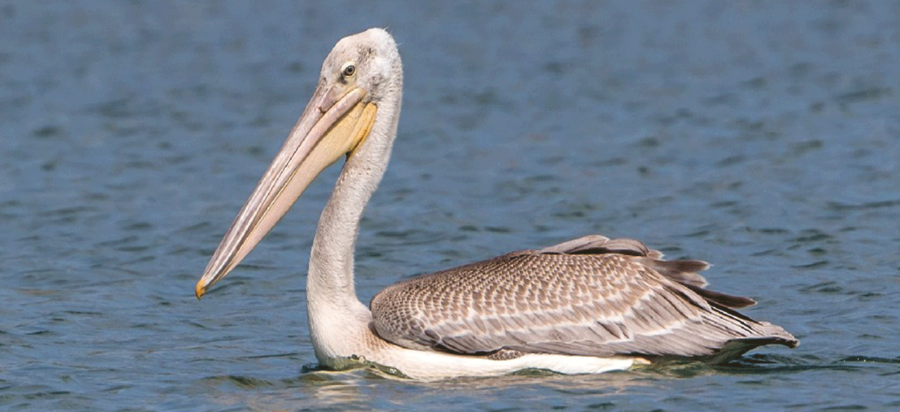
(426, 365)
(343, 338)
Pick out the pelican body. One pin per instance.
(588, 305)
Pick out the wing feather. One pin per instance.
(590, 296)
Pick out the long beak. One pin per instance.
(334, 123)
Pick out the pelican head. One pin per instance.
(355, 108)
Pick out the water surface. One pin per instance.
(763, 137)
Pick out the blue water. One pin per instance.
(763, 137)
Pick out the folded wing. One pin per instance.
(591, 296)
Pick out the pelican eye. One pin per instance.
(349, 70)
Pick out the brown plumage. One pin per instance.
(591, 296)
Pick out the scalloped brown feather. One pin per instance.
(591, 296)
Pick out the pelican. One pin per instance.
(588, 305)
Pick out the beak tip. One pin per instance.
(199, 290)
